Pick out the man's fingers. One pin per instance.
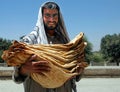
(41, 66)
(41, 63)
(32, 58)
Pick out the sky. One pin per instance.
(95, 18)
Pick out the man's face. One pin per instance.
(50, 18)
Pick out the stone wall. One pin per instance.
(90, 71)
(6, 72)
(102, 71)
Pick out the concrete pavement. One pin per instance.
(85, 85)
(99, 85)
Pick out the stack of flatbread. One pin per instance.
(63, 59)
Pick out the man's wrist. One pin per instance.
(22, 71)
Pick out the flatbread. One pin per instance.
(63, 59)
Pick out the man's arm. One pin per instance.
(17, 77)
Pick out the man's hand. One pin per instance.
(32, 66)
(80, 68)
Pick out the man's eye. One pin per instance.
(51, 15)
(47, 15)
(55, 15)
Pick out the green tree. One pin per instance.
(88, 50)
(97, 57)
(110, 48)
(4, 44)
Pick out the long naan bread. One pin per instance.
(63, 59)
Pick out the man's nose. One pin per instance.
(51, 18)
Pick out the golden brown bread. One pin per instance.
(63, 59)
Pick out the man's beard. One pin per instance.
(50, 27)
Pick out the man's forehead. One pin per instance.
(50, 11)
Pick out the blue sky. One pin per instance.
(96, 18)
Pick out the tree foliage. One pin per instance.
(4, 44)
(110, 48)
(97, 57)
(88, 50)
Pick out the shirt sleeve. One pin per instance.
(78, 77)
(32, 37)
(17, 77)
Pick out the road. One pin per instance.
(99, 85)
(85, 85)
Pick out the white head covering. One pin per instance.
(40, 25)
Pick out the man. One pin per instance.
(50, 29)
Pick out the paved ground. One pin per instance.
(85, 85)
(99, 85)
